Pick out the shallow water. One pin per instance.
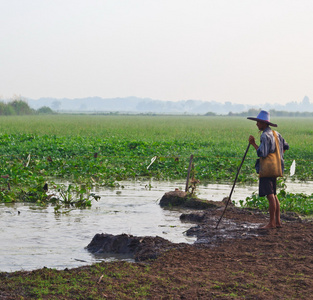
(33, 237)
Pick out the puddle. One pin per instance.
(33, 237)
(36, 237)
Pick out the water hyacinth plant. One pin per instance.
(103, 150)
(289, 202)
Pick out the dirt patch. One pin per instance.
(237, 223)
(240, 261)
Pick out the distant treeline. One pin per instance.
(274, 113)
(18, 107)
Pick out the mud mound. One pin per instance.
(139, 248)
(192, 217)
(182, 199)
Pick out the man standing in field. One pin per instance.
(270, 165)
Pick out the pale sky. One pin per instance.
(242, 51)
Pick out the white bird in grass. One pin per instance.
(293, 168)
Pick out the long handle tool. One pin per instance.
(231, 192)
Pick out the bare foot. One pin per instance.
(279, 225)
(268, 226)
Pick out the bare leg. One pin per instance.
(272, 210)
(277, 213)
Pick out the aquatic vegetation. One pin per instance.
(72, 196)
(299, 203)
(103, 150)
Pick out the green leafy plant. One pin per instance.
(73, 196)
(289, 202)
(63, 147)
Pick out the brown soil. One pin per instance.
(235, 261)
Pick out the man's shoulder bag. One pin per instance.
(270, 166)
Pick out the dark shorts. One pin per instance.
(267, 186)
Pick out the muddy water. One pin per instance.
(33, 237)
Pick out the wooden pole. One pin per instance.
(188, 174)
(231, 192)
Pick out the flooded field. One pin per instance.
(34, 237)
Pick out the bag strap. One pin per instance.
(276, 142)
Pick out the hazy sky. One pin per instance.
(243, 51)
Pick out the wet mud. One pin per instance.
(138, 248)
(182, 199)
(236, 224)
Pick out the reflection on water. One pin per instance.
(34, 237)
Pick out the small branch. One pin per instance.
(188, 174)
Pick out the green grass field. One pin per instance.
(103, 150)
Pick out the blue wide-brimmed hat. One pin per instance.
(263, 116)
